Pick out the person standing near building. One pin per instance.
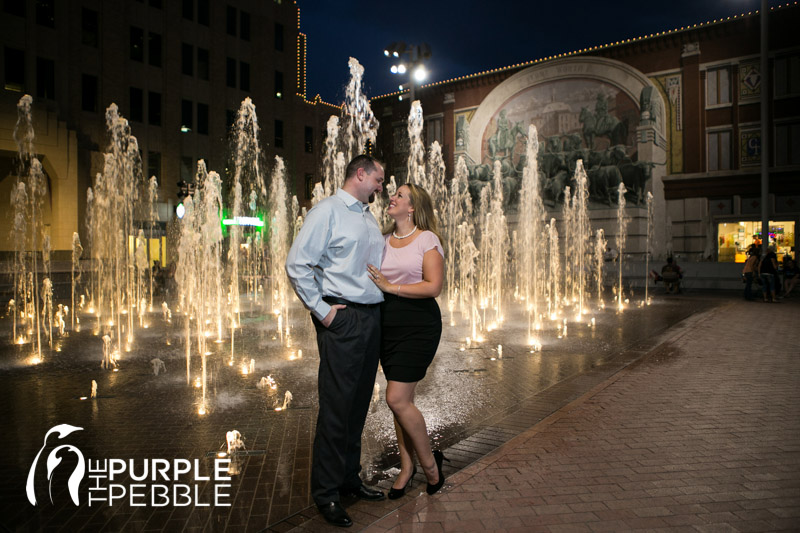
(749, 272)
(327, 267)
(769, 271)
(791, 275)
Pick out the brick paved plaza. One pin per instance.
(701, 434)
(682, 415)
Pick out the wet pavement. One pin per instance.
(473, 401)
(702, 433)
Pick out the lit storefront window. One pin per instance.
(735, 237)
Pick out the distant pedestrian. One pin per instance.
(749, 272)
(671, 274)
(768, 269)
(791, 275)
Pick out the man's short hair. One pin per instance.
(367, 162)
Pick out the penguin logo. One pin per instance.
(53, 460)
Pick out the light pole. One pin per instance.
(410, 59)
(764, 128)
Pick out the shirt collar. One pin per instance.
(349, 200)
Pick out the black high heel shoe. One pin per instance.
(439, 458)
(398, 493)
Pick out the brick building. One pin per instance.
(178, 72)
(683, 103)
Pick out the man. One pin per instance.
(327, 266)
(671, 273)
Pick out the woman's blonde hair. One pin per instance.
(423, 215)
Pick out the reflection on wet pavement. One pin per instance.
(473, 401)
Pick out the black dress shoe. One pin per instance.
(362, 492)
(334, 513)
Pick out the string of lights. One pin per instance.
(589, 49)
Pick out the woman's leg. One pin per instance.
(400, 398)
(406, 457)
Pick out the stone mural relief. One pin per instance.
(576, 118)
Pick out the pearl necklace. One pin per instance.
(396, 236)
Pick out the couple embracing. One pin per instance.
(372, 298)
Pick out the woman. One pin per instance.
(411, 276)
(749, 272)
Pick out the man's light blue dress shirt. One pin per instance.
(330, 254)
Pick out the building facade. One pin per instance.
(178, 71)
(675, 115)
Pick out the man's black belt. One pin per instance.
(335, 300)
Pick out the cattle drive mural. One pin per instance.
(576, 119)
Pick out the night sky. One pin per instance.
(471, 36)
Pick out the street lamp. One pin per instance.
(411, 60)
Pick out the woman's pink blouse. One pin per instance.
(404, 265)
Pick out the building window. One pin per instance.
(309, 186)
(46, 13)
(735, 238)
(154, 164)
(45, 78)
(719, 150)
(244, 76)
(309, 139)
(787, 76)
(14, 7)
(278, 133)
(137, 43)
(136, 104)
(278, 84)
(188, 9)
(202, 63)
(718, 87)
(202, 119)
(15, 69)
(90, 27)
(279, 37)
(244, 25)
(230, 118)
(434, 133)
(787, 144)
(156, 4)
(202, 12)
(154, 49)
(89, 93)
(230, 20)
(187, 168)
(186, 116)
(154, 108)
(187, 59)
(230, 72)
